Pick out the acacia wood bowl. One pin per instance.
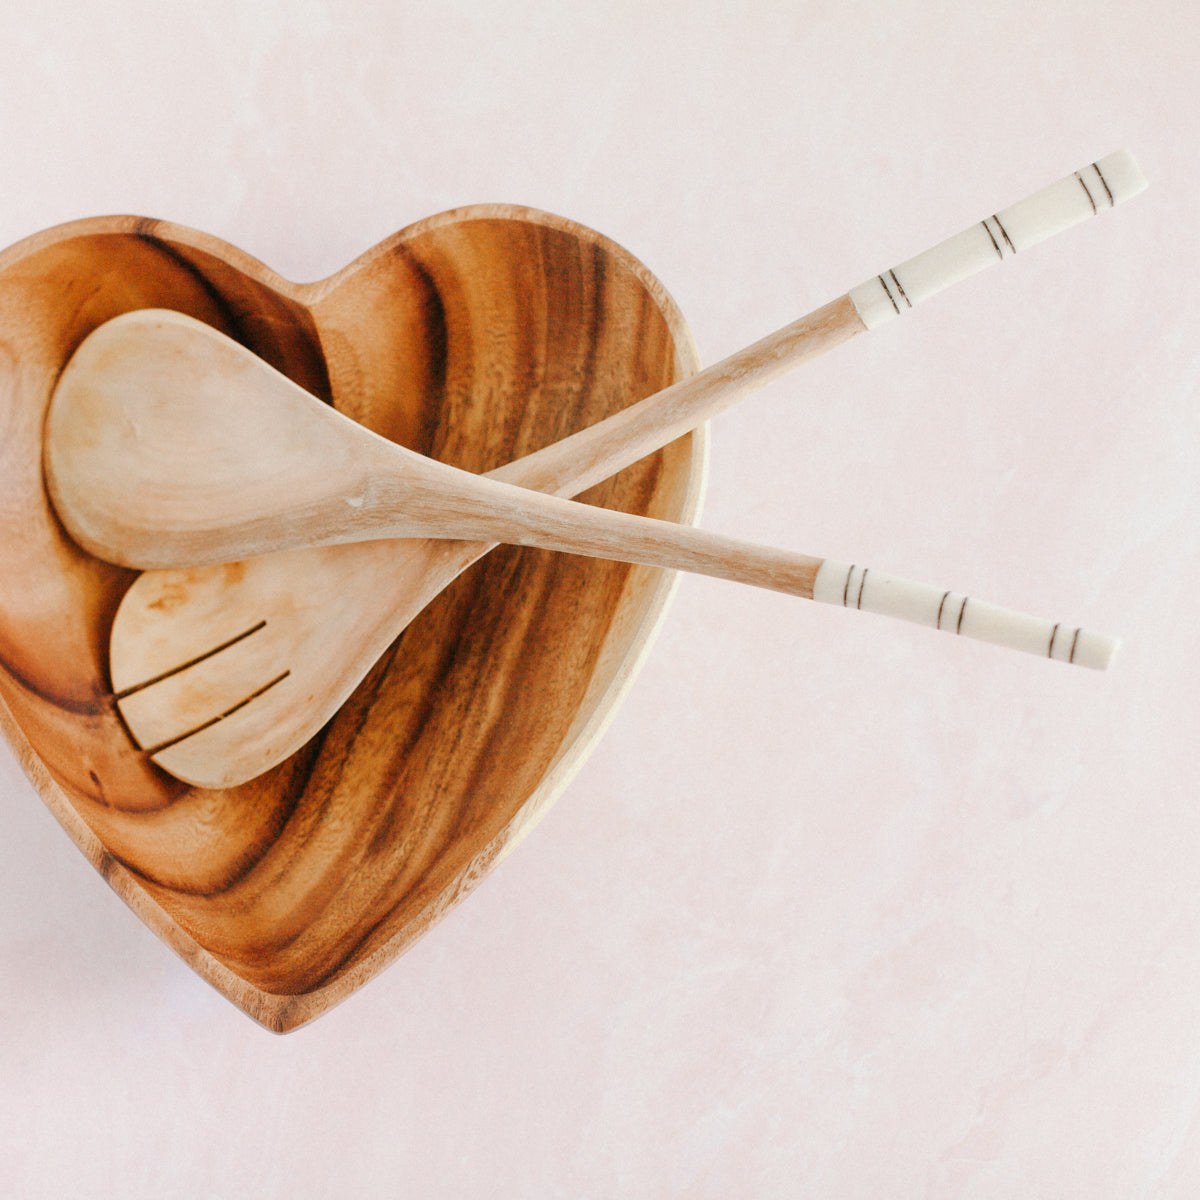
(475, 336)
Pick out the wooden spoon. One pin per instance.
(222, 672)
(169, 444)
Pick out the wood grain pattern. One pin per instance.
(475, 337)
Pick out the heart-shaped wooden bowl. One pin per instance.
(476, 336)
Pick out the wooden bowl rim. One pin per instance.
(279, 1012)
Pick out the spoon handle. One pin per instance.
(555, 524)
(585, 458)
(854, 586)
(1092, 190)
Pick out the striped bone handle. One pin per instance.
(854, 586)
(1103, 185)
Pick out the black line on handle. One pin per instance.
(961, 613)
(862, 583)
(898, 284)
(1083, 185)
(1105, 182)
(995, 244)
(1074, 643)
(1053, 635)
(1004, 234)
(892, 298)
(945, 597)
(846, 589)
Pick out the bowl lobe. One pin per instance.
(475, 336)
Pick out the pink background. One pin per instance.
(838, 907)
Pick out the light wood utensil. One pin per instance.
(221, 672)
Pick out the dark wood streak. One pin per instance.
(280, 332)
(148, 233)
(90, 706)
(597, 329)
(435, 331)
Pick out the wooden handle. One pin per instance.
(1090, 191)
(593, 454)
(195, 488)
(596, 532)
(853, 586)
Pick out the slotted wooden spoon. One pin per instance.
(222, 672)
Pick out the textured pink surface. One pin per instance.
(838, 908)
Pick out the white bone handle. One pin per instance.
(854, 586)
(1092, 190)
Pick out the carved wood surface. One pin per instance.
(475, 337)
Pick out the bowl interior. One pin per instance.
(475, 337)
